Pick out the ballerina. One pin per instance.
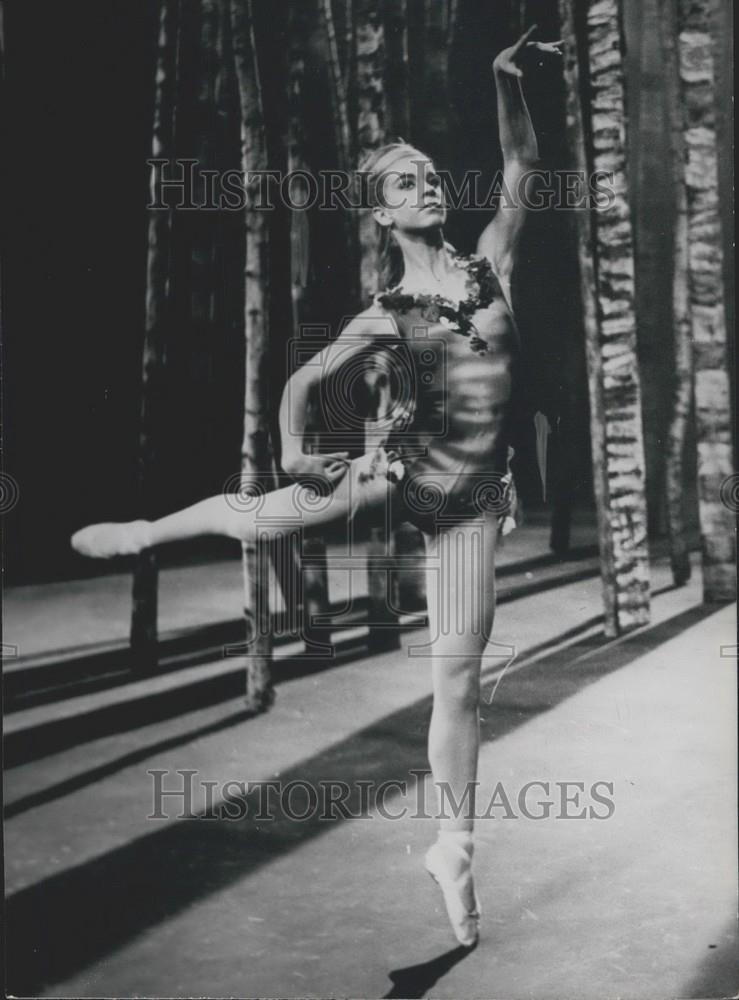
(443, 322)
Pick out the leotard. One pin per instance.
(446, 446)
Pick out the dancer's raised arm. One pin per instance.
(499, 239)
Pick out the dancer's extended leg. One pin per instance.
(461, 606)
(239, 516)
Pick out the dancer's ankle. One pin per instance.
(459, 838)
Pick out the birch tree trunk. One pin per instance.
(371, 118)
(338, 81)
(607, 288)
(143, 633)
(706, 292)
(342, 131)
(257, 459)
(682, 389)
(313, 568)
(370, 130)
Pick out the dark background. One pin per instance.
(80, 100)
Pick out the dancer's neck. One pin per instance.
(426, 260)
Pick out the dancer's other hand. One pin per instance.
(331, 467)
(508, 62)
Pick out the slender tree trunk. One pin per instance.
(682, 389)
(342, 119)
(707, 307)
(438, 108)
(350, 67)
(371, 119)
(370, 114)
(143, 634)
(339, 102)
(397, 71)
(652, 214)
(257, 460)
(312, 564)
(607, 288)
(202, 229)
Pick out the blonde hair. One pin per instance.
(372, 169)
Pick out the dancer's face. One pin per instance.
(410, 194)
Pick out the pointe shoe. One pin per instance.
(449, 865)
(103, 541)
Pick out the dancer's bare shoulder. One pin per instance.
(373, 323)
(362, 335)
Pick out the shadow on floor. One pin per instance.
(102, 771)
(98, 666)
(414, 981)
(52, 682)
(68, 921)
(79, 781)
(718, 975)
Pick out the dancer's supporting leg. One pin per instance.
(238, 517)
(461, 605)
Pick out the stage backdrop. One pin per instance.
(80, 133)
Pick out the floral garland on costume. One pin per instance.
(482, 288)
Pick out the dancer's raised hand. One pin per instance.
(508, 62)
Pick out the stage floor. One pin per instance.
(641, 904)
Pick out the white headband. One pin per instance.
(395, 154)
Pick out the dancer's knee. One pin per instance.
(457, 684)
